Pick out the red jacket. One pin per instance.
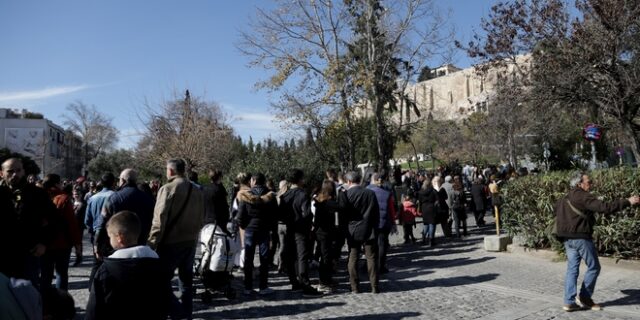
(409, 212)
(68, 234)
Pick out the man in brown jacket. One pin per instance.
(177, 218)
(574, 222)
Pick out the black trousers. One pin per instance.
(303, 257)
(325, 241)
(288, 253)
(383, 247)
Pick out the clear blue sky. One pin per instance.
(116, 54)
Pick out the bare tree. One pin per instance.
(306, 46)
(302, 42)
(187, 128)
(94, 128)
(391, 42)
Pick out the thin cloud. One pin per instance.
(255, 121)
(39, 94)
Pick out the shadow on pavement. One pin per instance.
(79, 285)
(401, 286)
(269, 311)
(383, 316)
(632, 298)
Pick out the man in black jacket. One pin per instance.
(363, 215)
(127, 198)
(256, 216)
(574, 223)
(295, 208)
(27, 223)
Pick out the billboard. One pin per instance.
(27, 141)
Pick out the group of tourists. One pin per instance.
(142, 232)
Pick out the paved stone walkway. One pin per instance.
(456, 279)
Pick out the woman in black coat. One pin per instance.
(442, 208)
(427, 196)
(479, 197)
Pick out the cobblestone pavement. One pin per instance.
(456, 279)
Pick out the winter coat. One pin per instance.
(186, 227)
(130, 284)
(132, 199)
(442, 208)
(408, 213)
(27, 218)
(257, 209)
(427, 199)
(362, 213)
(448, 188)
(216, 206)
(325, 215)
(575, 213)
(67, 231)
(295, 210)
(479, 197)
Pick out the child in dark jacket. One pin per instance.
(129, 283)
(408, 216)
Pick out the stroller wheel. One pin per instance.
(230, 293)
(206, 297)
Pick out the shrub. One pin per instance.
(528, 205)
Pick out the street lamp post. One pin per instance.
(592, 133)
(546, 153)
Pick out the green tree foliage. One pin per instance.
(425, 74)
(529, 202)
(30, 166)
(113, 162)
(275, 160)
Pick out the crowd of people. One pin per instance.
(142, 232)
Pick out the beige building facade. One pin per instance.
(454, 93)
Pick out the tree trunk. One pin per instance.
(511, 148)
(627, 128)
(351, 155)
(381, 132)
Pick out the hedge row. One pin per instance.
(527, 210)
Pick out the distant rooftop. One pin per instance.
(6, 113)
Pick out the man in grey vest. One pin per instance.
(386, 205)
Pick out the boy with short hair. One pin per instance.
(129, 284)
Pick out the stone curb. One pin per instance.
(547, 254)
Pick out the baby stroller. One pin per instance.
(216, 262)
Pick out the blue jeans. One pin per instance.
(577, 250)
(429, 231)
(179, 257)
(253, 238)
(58, 260)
